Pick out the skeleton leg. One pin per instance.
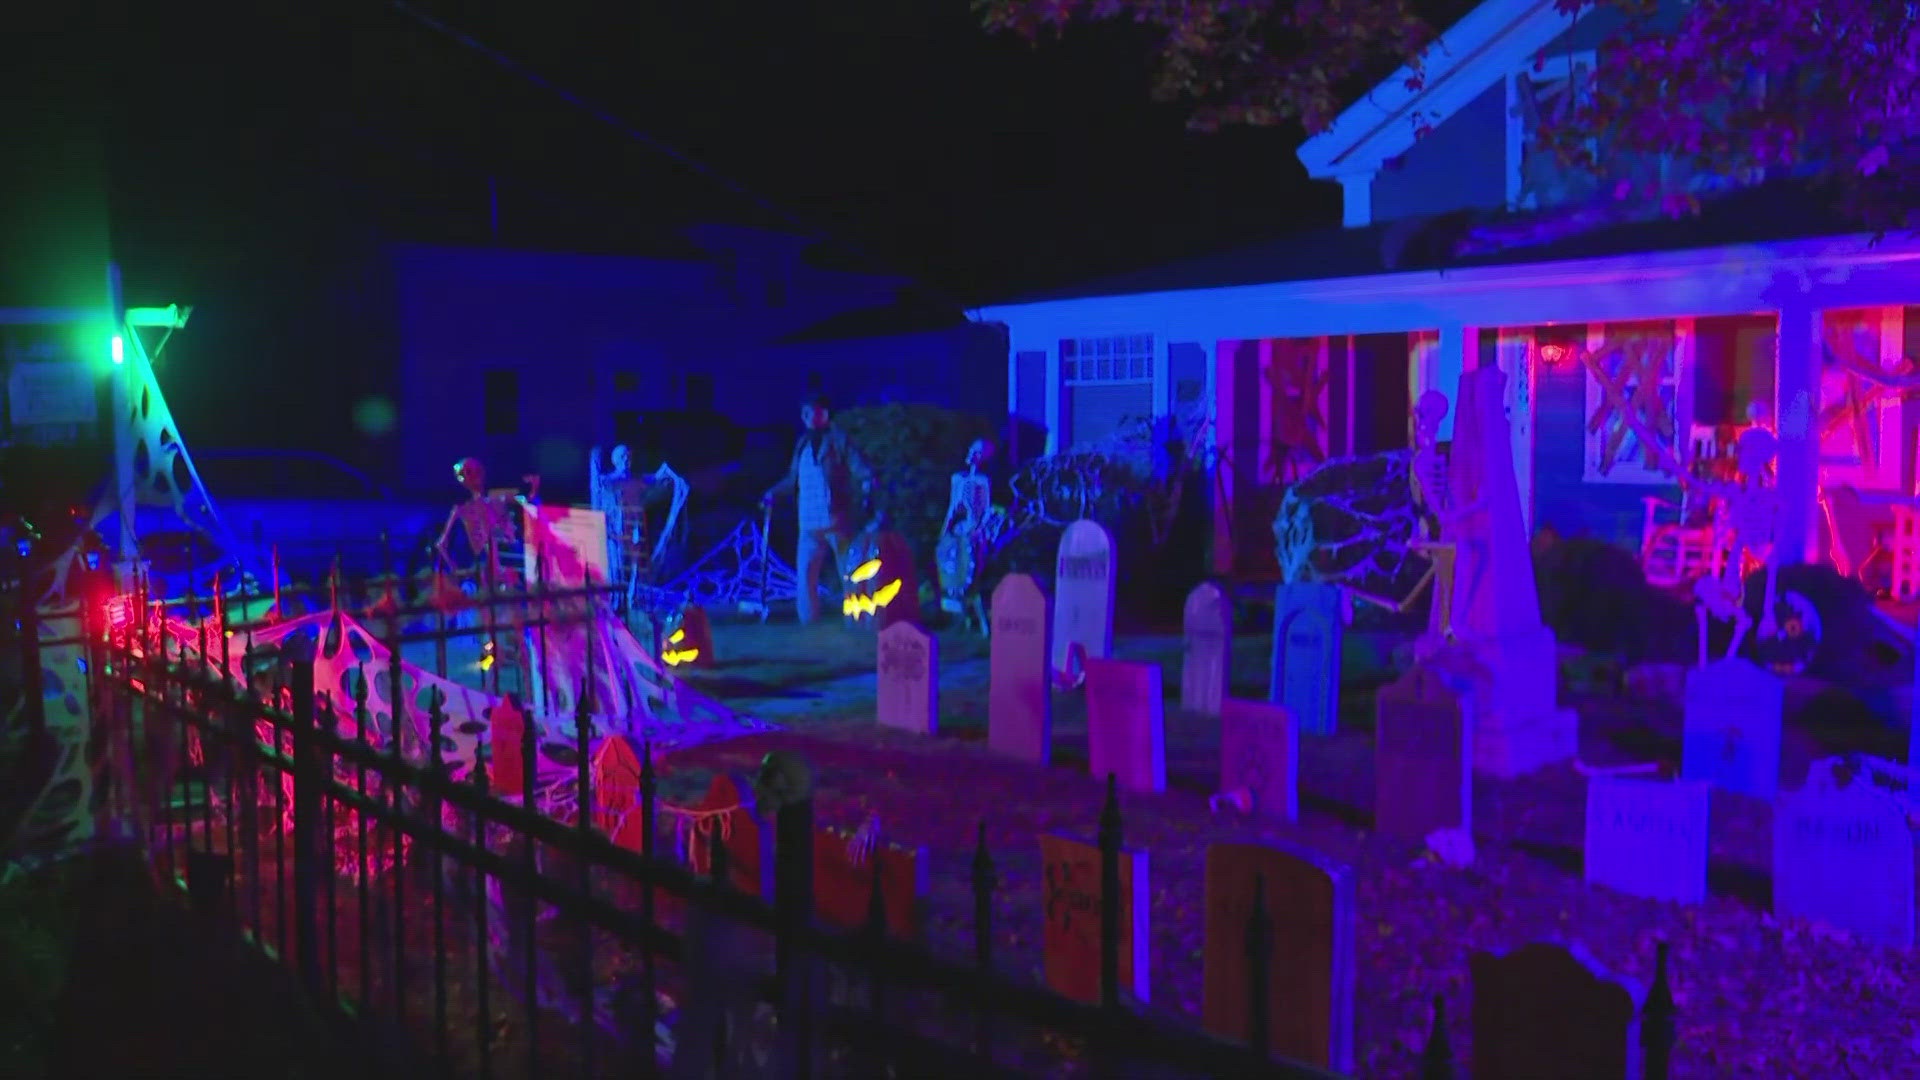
(1741, 624)
(1443, 555)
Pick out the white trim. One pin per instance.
(1796, 389)
(1055, 400)
(1479, 50)
(1836, 271)
(1162, 375)
(1356, 199)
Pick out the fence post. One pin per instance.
(1259, 952)
(1110, 896)
(309, 780)
(1436, 1060)
(1657, 1021)
(32, 693)
(984, 882)
(793, 912)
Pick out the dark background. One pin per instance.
(248, 163)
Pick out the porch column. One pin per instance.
(1458, 353)
(1796, 400)
(1055, 399)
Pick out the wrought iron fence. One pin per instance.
(472, 932)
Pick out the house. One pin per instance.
(1463, 246)
(526, 359)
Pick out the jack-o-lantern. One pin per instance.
(692, 641)
(881, 583)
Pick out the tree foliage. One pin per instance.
(1730, 89)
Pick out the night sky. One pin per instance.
(254, 159)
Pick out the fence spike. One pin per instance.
(1436, 1058)
(1658, 1027)
(1259, 946)
(984, 882)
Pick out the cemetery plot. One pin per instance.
(1733, 728)
(1260, 755)
(1845, 858)
(909, 687)
(1540, 1010)
(1208, 627)
(1083, 594)
(1648, 837)
(1306, 654)
(1423, 763)
(1127, 724)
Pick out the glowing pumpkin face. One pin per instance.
(880, 582)
(674, 655)
(692, 641)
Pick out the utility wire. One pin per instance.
(672, 153)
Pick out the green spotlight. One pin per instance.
(119, 350)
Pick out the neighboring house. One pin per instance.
(1465, 247)
(526, 359)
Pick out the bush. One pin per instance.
(1593, 595)
(1855, 647)
(913, 450)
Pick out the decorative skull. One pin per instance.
(784, 780)
(881, 582)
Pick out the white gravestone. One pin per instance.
(1127, 724)
(1260, 755)
(1648, 837)
(1020, 690)
(1083, 596)
(1844, 857)
(1306, 654)
(1207, 622)
(1732, 731)
(909, 692)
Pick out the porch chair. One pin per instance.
(1682, 550)
(1850, 532)
(1905, 546)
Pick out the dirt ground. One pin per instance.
(1756, 997)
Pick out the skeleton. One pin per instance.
(486, 518)
(1748, 510)
(1437, 508)
(969, 528)
(622, 497)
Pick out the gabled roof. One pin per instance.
(1492, 40)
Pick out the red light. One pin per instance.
(119, 612)
(1553, 352)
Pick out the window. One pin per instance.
(1538, 97)
(1633, 377)
(1107, 359)
(625, 382)
(501, 410)
(699, 392)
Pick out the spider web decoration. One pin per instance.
(163, 474)
(1297, 384)
(1631, 372)
(730, 574)
(1351, 522)
(1867, 387)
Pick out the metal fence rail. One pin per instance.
(477, 936)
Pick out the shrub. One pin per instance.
(1593, 595)
(1853, 641)
(913, 450)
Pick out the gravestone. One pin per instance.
(616, 792)
(909, 690)
(1070, 889)
(1306, 654)
(1127, 724)
(1020, 692)
(727, 811)
(1648, 837)
(1542, 1011)
(1207, 622)
(843, 891)
(1083, 573)
(1423, 754)
(506, 736)
(1260, 754)
(1844, 857)
(1732, 728)
(1310, 927)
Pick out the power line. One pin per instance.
(617, 123)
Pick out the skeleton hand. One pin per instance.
(861, 844)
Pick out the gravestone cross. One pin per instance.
(1083, 595)
(1020, 684)
(909, 691)
(1127, 724)
(1207, 622)
(1423, 753)
(1732, 728)
(1306, 654)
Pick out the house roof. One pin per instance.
(1492, 40)
(1769, 212)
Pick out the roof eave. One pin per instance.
(1458, 67)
